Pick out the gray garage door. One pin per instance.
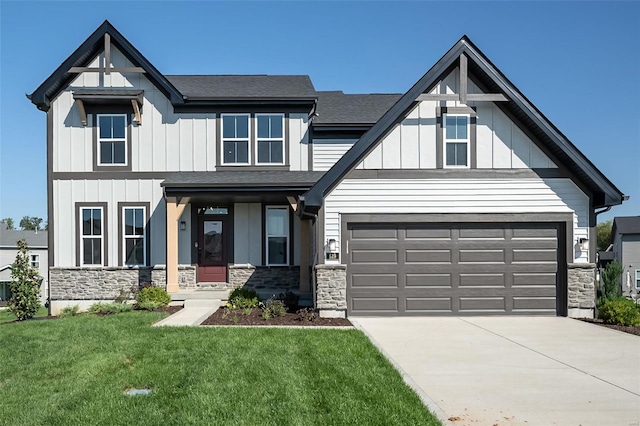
(452, 269)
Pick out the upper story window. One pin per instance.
(456, 140)
(270, 138)
(235, 139)
(112, 139)
(35, 260)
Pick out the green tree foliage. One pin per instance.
(8, 222)
(31, 223)
(603, 235)
(25, 285)
(611, 281)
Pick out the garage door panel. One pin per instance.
(376, 232)
(428, 304)
(523, 255)
(534, 303)
(475, 280)
(481, 304)
(374, 304)
(427, 256)
(498, 233)
(535, 233)
(482, 256)
(374, 256)
(428, 280)
(374, 280)
(428, 233)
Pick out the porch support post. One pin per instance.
(175, 207)
(305, 249)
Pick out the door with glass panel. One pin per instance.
(212, 248)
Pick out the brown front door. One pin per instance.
(212, 248)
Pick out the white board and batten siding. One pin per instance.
(412, 196)
(165, 141)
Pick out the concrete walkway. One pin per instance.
(515, 371)
(193, 313)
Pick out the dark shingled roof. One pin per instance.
(339, 108)
(243, 86)
(239, 179)
(8, 238)
(626, 225)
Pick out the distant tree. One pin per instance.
(603, 235)
(46, 226)
(29, 223)
(8, 222)
(25, 285)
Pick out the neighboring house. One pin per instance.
(38, 256)
(625, 239)
(456, 198)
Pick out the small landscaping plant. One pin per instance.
(150, 298)
(611, 282)
(243, 298)
(273, 308)
(126, 294)
(290, 300)
(69, 311)
(110, 308)
(307, 314)
(620, 311)
(25, 285)
(243, 292)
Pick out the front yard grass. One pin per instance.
(6, 316)
(74, 371)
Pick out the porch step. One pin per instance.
(193, 313)
(184, 295)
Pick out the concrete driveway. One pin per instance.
(515, 371)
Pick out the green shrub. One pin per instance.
(619, 311)
(69, 311)
(126, 294)
(611, 281)
(150, 298)
(240, 302)
(109, 308)
(307, 314)
(290, 300)
(273, 308)
(25, 285)
(243, 292)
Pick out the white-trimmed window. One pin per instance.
(456, 140)
(270, 138)
(637, 278)
(35, 260)
(92, 236)
(112, 139)
(134, 236)
(277, 235)
(235, 139)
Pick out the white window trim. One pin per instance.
(99, 140)
(267, 235)
(257, 139)
(83, 237)
(247, 139)
(446, 140)
(34, 259)
(125, 236)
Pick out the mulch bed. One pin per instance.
(225, 317)
(624, 328)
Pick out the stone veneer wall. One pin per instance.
(105, 283)
(581, 286)
(276, 278)
(331, 288)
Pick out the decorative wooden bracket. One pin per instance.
(137, 117)
(464, 97)
(83, 113)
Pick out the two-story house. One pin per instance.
(625, 246)
(456, 197)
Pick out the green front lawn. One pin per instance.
(6, 316)
(74, 371)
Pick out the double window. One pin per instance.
(91, 236)
(277, 236)
(112, 139)
(134, 236)
(247, 140)
(456, 140)
(638, 278)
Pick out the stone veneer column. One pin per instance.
(331, 290)
(582, 290)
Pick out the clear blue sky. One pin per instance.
(578, 62)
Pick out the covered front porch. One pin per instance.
(231, 229)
